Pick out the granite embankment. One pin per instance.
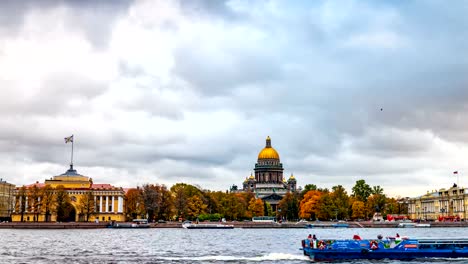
(83, 225)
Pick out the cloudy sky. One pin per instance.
(187, 91)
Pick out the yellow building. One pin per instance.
(6, 199)
(444, 204)
(102, 202)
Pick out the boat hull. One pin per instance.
(406, 249)
(331, 255)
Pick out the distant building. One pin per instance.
(7, 191)
(443, 205)
(107, 200)
(268, 182)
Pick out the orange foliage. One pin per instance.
(309, 204)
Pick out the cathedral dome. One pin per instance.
(268, 152)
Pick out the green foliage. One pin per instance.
(362, 190)
(210, 217)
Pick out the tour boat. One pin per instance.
(389, 248)
(136, 223)
(206, 226)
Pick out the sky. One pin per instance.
(187, 91)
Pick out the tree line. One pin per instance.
(184, 201)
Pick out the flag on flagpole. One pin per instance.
(455, 172)
(69, 139)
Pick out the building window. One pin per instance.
(103, 218)
(109, 218)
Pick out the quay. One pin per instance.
(249, 224)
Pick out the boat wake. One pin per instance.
(268, 257)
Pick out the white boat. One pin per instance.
(411, 225)
(207, 226)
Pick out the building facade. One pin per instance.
(442, 205)
(89, 201)
(269, 183)
(7, 192)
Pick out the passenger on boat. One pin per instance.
(397, 238)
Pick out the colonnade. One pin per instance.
(107, 203)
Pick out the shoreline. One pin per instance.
(247, 225)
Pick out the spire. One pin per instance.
(268, 142)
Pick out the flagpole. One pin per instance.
(71, 160)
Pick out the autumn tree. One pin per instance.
(256, 207)
(134, 206)
(86, 205)
(309, 205)
(327, 209)
(48, 201)
(341, 202)
(34, 201)
(195, 206)
(358, 208)
(166, 203)
(181, 192)
(62, 204)
(20, 205)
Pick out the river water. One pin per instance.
(185, 246)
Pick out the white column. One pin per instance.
(107, 204)
(100, 203)
(26, 205)
(95, 204)
(14, 204)
(120, 204)
(112, 204)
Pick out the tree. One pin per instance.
(48, 201)
(256, 207)
(134, 206)
(63, 205)
(341, 202)
(362, 190)
(195, 206)
(289, 207)
(307, 188)
(358, 210)
(86, 205)
(20, 205)
(327, 209)
(150, 197)
(166, 203)
(377, 190)
(376, 203)
(181, 192)
(308, 206)
(34, 201)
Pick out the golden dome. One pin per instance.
(292, 177)
(251, 177)
(268, 152)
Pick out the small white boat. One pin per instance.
(207, 226)
(411, 225)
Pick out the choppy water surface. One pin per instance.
(183, 246)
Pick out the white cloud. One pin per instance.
(165, 91)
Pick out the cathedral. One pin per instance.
(268, 182)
